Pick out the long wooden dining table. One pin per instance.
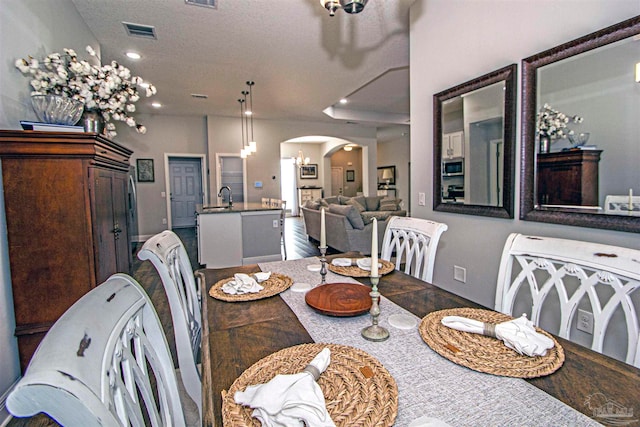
(235, 335)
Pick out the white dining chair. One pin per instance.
(169, 256)
(414, 242)
(555, 278)
(105, 362)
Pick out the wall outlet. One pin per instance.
(459, 274)
(421, 199)
(276, 223)
(585, 321)
(164, 221)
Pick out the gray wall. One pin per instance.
(27, 27)
(395, 152)
(482, 36)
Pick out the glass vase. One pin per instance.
(545, 144)
(57, 109)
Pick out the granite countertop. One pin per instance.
(235, 208)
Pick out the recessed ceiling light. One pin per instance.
(133, 55)
(156, 105)
(343, 101)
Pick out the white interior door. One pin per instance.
(186, 190)
(337, 181)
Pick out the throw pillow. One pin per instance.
(323, 203)
(373, 202)
(343, 200)
(312, 204)
(367, 217)
(350, 212)
(390, 204)
(354, 202)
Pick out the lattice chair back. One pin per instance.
(414, 242)
(105, 362)
(552, 279)
(169, 256)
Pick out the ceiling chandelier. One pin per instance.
(249, 145)
(301, 160)
(349, 6)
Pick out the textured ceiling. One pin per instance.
(301, 59)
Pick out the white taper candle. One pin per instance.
(374, 248)
(323, 233)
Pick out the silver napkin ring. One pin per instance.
(313, 371)
(489, 329)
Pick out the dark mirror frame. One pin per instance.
(528, 209)
(507, 74)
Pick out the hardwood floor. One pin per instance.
(298, 246)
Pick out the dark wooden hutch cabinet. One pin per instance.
(568, 178)
(65, 198)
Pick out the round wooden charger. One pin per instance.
(275, 284)
(358, 390)
(355, 271)
(340, 299)
(482, 353)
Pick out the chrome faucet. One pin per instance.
(230, 194)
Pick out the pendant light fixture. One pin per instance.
(243, 152)
(245, 116)
(253, 146)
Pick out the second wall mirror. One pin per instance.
(474, 142)
(589, 178)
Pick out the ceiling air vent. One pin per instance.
(213, 4)
(199, 96)
(139, 30)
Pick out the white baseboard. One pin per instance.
(5, 416)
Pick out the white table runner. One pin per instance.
(428, 384)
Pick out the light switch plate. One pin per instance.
(421, 199)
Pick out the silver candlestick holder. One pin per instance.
(323, 260)
(375, 332)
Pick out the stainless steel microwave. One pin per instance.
(453, 167)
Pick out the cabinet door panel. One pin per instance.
(103, 224)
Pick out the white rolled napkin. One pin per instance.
(365, 263)
(342, 262)
(262, 276)
(519, 334)
(290, 400)
(241, 284)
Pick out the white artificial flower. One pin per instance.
(142, 129)
(130, 122)
(131, 108)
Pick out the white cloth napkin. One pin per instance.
(290, 400)
(262, 276)
(365, 263)
(519, 334)
(241, 284)
(342, 262)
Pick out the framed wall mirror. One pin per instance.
(386, 176)
(474, 142)
(568, 173)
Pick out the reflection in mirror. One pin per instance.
(474, 126)
(590, 87)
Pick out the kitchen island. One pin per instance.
(244, 233)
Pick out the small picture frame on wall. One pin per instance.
(309, 171)
(351, 175)
(145, 170)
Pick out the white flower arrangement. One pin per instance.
(552, 123)
(109, 89)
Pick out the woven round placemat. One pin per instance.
(357, 389)
(275, 284)
(355, 271)
(482, 353)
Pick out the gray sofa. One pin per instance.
(349, 220)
